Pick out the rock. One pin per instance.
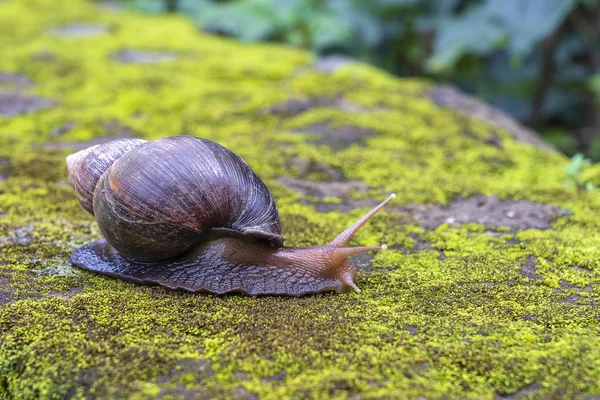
(489, 286)
(332, 63)
(17, 103)
(14, 79)
(133, 56)
(306, 168)
(322, 190)
(296, 106)
(337, 137)
(449, 96)
(113, 131)
(4, 167)
(529, 269)
(291, 107)
(79, 30)
(490, 211)
(534, 387)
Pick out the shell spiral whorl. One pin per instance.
(87, 166)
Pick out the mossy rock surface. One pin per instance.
(490, 289)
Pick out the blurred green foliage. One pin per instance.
(575, 173)
(537, 59)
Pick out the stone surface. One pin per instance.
(293, 107)
(529, 269)
(79, 30)
(448, 96)
(14, 79)
(500, 302)
(323, 190)
(4, 167)
(307, 169)
(489, 211)
(142, 56)
(17, 103)
(337, 137)
(111, 131)
(332, 63)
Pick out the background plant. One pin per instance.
(537, 59)
(575, 171)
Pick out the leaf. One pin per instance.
(149, 6)
(594, 84)
(250, 20)
(589, 186)
(483, 28)
(473, 32)
(529, 22)
(328, 31)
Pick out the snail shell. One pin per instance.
(158, 198)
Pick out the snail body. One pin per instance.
(187, 213)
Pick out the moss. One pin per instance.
(456, 318)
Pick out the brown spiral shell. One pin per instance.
(155, 200)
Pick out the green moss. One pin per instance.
(469, 324)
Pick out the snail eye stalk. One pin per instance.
(343, 238)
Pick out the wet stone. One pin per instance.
(20, 237)
(67, 294)
(306, 168)
(332, 63)
(296, 106)
(585, 270)
(61, 130)
(529, 270)
(348, 205)
(494, 234)
(278, 377)
(132, 56)
(529, 317)
(412, 329)
(114, 128)
(113, 131)
(337, 138)
(242, 393)
(450, 97)
(290, 108)
(4, 167)
(114, 6)
(6, 293)
(526, 391)
(489, 211)
(17, 103)
(494, 139)
(79, 30)
(44, 56)
(200, 368)
(420, 244)
(565, 285)
(322, 190)
(14, 79)
(577, 300)
(362, 262)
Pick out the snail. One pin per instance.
(187, 213)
